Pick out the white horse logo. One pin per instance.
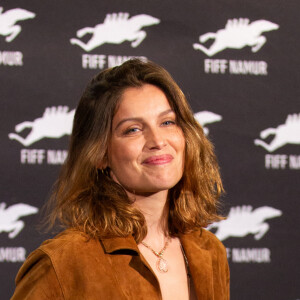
(55, 123)
(9, 217)
(237, 34)
(287, 133)
(242, 220)
(116, 29)
(10, 18)
(207, 117)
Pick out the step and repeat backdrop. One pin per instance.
(237, 62)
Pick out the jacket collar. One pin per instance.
(199, 259)
(114, 244)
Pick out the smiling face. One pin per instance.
(146, 150)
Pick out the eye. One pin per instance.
(168, 123)
(131, 130)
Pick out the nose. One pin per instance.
(155, 139)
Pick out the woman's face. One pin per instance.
(146, 150)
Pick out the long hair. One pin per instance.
(87, 199)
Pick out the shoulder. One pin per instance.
(209, 240)
(207, 254)
(68, 241)
(61, 252)
(206, 238)
(70, 247)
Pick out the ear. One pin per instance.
(103, 164)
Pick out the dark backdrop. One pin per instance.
(243, 91)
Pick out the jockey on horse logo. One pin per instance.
(242, 220)
(9, 217)
(287, 133)
(9, 19)
(116, 29)
(237, 34)
(55, 123)
(206, 117)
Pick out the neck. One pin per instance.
(155, 208)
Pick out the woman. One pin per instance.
(139, 184)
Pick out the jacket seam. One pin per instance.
(52, 264)
(115, 277)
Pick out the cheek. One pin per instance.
(179, 141)
(122, 153)
(183, 156)
(180, 147)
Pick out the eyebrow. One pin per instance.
(141, 119)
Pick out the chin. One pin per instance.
(161, 186)
(150, 185)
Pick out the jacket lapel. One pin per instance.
(111, 245)
(199, 259)
(128, 246)
(200, 264)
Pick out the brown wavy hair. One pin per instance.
(87, 199)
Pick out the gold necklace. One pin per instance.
(161, 264)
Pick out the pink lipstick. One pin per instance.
(158, 159)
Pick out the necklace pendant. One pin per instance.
(162, 265)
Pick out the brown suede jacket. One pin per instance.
(70, 267)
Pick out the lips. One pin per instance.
(158, 159)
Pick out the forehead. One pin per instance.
(142, 101)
